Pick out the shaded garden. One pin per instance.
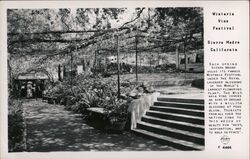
(95, 63)
(52, 128)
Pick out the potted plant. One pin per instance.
(118, 116)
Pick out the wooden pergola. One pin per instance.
(108, 35)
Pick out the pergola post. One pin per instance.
(184, 50)
(71, 69)
(177, 56)
(59, 73)
(95, 62)
(118, 67)
(136, 58)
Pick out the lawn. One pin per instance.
(160, 76)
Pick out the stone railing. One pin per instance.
(138, 107)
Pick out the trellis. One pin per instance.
(115, 35)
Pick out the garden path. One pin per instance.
(52, 128)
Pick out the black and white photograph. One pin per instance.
(105, 79)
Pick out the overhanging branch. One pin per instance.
(138, 16)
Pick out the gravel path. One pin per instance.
(52, 128)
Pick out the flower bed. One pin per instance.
(85, 92)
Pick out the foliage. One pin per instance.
(15, 126)
(127, 68)
(45, 37)
(91, 91)
(58, 28)
(119, 112)
(199, 83)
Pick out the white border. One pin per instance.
(242, 147)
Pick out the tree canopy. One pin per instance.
(54, 30)
(46, 33)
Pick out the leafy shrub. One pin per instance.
(15, 126)
(86, 91)
(199, 83)
(119, 112)
(166, 68)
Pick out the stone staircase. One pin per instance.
(176, 122)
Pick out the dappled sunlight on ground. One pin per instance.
(52, 128)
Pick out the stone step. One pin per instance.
(175, 124)
(180, 105)
(177, 110)
(176, 117)
(181, 100)
(172, 142)
(171, 132)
